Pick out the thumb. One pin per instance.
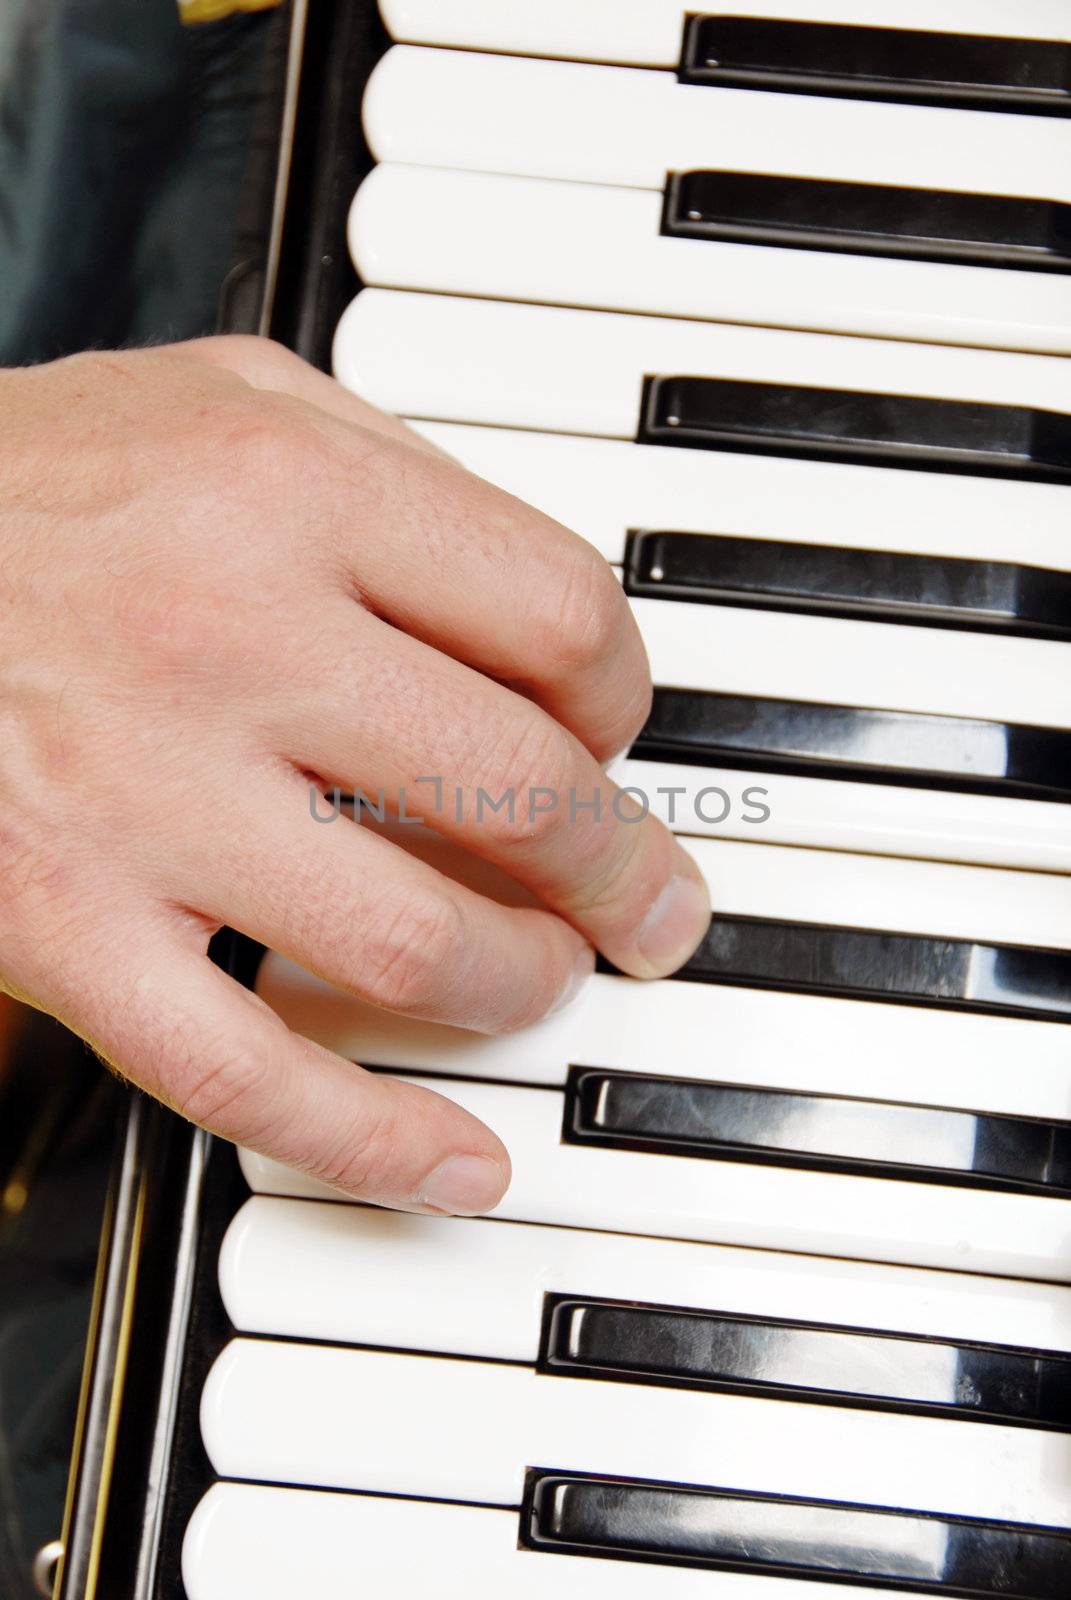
(213, 1051)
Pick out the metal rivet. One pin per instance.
(45, 1563)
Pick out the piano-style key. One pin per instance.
(621, 249)
(730, 800)
(779, 1207)
(919, 67)
(931, 435)
(467, 1430)
(859, 963)
(568, 1513)
(638, 1343)
(832, 580)
(855, 742)
(604, 488)
(623, 125)
(778, 655)
(723, 1122)
(254, 1542)
(651, 1310)
(870, 219)
(914, 897)
(302, 1269)
(810, 1041)
(454, 359)
(649, 33)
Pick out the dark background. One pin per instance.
(128, 144)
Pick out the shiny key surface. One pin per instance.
(869, 219)
(834, 581)
(933, 68)
(929, 435)
(725, 1122)
(801, 1537)
(671, 1344)
(854, 743)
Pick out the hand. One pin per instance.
(223, 579)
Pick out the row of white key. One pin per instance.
(454, 359)
(666, 1196)
(251, 1542)
(827, 1045)
(893, 666)
(648, 32)
(577, 244)
(622, 125)
(467, 1286)
(456, 1429)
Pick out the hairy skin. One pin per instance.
(222, 577)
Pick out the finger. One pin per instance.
(496, 584)
(365, 916)
(513, 786)
(265, 364)
(171, 1021)
(469, 568)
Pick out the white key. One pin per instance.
(729, 1202)
(461, 360)
(939, 825)
(760, 880)
(598, 124)
(464, 1286)
(467, 1430)
(894, 666)
(577, 244)
(251, 1542)
(602, 488)
(697, 1030)
(647, 33)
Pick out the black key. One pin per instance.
(782, 1358)
(835, 1133)
(880, 585)
(788, 1536)
(869, 964)
(870, 219)
(857, 745)
(922, 68)
(886, 430)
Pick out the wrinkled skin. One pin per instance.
(222, 580)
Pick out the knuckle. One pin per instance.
(532, 766)
(405, 959)
(359, 1158)
(219, 1090)
(579, 620)
(259, 435)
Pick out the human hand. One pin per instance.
(223, 579)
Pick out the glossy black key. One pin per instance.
(857, 745)
(921, 68)
(799, 1360)
(786, 1536)
(870, 219)
(730, 1122)
(887, 430)
(879, 585)
(869, 964)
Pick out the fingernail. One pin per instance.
(464, 1186)
(675, 924)
(582, 970)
